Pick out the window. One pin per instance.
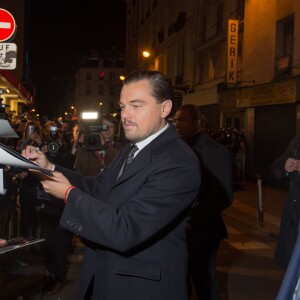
(241, 9)
(111, 106)
(112, 76)
(88, 89)
(101, 75)
(220, 18)
(284, 43)
(112, 89)
(101, 90)
(203, 29)
(88, 76)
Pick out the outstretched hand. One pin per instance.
(38, 157)
(56, 187)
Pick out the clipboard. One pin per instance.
(10, 157)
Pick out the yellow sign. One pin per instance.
(267, 94)
(232, 51)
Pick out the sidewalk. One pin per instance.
(247, 202)
(246, 267)
(246, 264)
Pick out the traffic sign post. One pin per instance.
(7, 25)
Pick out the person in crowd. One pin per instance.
(21, 128)
(287, 166)
(28, 183)
(133, 215)
(207, 228)
(92, 162)
(2, 242)
(67, 134)
(73, 146)
(57, 242)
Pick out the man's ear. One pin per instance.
(166, 108)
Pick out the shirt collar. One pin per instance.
(150, 138)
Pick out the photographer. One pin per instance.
(92, 162)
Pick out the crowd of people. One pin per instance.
(64, 144)
(146, 204)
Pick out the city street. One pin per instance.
(245, 262)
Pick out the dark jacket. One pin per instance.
(290, 215)
(215, 194)
(136, 225)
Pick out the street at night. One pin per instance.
(246, 269)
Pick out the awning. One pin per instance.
(8, 80)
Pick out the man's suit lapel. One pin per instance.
(144, 157)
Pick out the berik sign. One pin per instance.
(7, 25)
(232, 51)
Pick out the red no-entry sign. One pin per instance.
(7, 25)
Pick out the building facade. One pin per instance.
(98, 83)
(15, 84)
(235, 59)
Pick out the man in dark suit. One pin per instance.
(207, 228)
(133, 218)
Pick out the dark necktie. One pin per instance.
(130, 156)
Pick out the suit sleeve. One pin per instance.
(122, 223)
(278, 166)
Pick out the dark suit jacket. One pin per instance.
(291, 277)
(215, 194)
(135, 226)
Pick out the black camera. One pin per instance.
(92, 139)
(91, 129)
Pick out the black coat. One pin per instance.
(216, 193)
(136, 225)
(291, 211)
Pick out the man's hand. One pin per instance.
(2, 242)
(37, 156)
(292, 165)
(56, 187)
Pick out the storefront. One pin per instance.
(268, 115)
(14, 96)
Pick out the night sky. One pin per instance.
(60, 33)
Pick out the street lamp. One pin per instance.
(146, 53)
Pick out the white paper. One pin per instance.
(10, 157)
(6, 131)
(2, 189)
